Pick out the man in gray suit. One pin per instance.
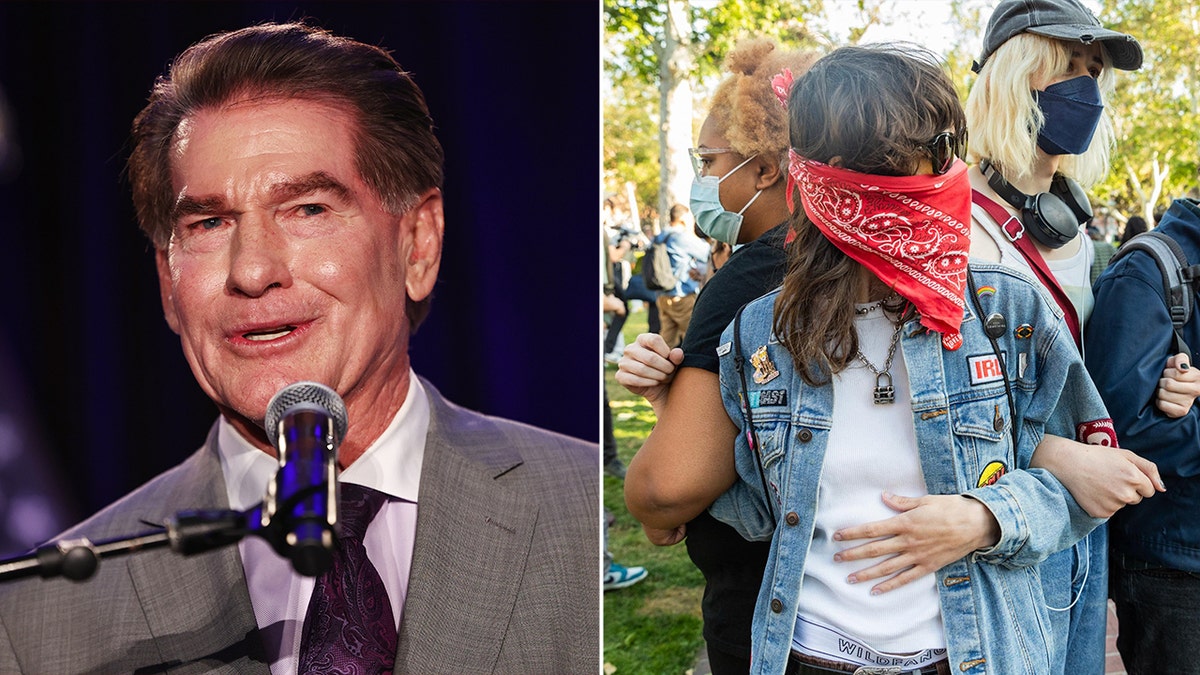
(290, 182)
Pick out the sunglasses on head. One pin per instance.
(944, 148)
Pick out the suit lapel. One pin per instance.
(198, 607)
(472, 541)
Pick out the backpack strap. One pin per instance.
(1014, 230)
(739, 362)
(1178, 277)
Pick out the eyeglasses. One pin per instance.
(944, 148)
(698, 154)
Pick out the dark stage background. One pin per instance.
(94, 385)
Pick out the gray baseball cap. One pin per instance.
(1059, 19)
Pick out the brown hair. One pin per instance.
(677, 211)
(396, 152)
(744, 106)
(872, 110)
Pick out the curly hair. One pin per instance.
(1003, 115)
(744, 106)
(873, 108)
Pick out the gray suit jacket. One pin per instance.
(505, 572)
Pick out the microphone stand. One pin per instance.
(298, 517)
(187, 533)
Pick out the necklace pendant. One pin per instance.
(885, 393)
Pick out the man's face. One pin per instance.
(284, 266)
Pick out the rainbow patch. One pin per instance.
(985, 291)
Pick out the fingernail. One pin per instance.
(852, 579)
(837, 536)
(876, 591)
(837, 557)
(1184, 366)
(1162, 486)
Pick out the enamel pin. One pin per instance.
(951, 341)
(764, 370)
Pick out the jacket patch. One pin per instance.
(768, 397)
(722, 350)
(991, 473)
(764, 370)
(1097, 432)
(985, 368)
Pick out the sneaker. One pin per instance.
(614, 357)
(615, 468)
(620, 576)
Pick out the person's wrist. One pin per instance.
(985, 525)
(658, 403)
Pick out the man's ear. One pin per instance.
(769, 173)
(165, 288)
(426, 225)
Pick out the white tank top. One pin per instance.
(871, 448)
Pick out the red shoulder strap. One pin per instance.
(1015, 231)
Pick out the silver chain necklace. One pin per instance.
(885, 393)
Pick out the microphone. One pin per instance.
(306, 422)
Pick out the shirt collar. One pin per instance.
(392, 464)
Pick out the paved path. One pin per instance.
(1114, 665)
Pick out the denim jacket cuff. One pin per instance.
(1014, 531)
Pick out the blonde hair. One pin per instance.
(1003, 116)
(744, 106)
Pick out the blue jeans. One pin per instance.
(636, 289)
(1158, 610)
(1081, 616)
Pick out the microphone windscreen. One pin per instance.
(306, 394)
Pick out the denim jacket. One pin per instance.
(992, 602)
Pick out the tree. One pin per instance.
(670, 46)
(647, 44)
(1157, 108)
(630, 150)
(675, 65)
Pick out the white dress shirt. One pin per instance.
(392, 465)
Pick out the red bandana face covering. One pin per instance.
(912, 232)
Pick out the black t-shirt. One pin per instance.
(753, 270)
(732, 567)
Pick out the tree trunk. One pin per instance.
(675, 103)
(1159, 174)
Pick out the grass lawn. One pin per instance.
(653, 627)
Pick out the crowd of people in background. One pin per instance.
(694, 256)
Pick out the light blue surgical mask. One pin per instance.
(711, 217)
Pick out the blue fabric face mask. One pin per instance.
(1072, 109)
(711, 217)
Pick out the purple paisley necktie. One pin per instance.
(349, 628)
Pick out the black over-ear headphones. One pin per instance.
(1052, 218)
